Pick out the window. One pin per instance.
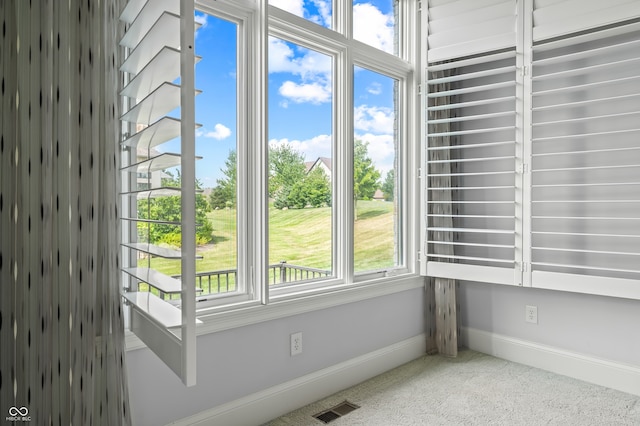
(218, 141)
(303, 194)
(300, 163)
(336, 225)
(377, 241)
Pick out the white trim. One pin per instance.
(268, 404)
(254, 312)
(612, 374)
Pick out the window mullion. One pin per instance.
(343, 17)
(343, 210)
(245, 280)
(257, 109)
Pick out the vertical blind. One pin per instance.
(159, 75)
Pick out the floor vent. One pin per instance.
(336, 412)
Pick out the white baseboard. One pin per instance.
(268, 404)
(614, 375)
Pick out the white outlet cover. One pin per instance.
(531, 314)
(296, 343)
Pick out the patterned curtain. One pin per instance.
(442, 321)
(61, 319)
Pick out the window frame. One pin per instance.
(248, 124)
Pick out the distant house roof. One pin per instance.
(308, 165)
(378, 195)
(325, 161)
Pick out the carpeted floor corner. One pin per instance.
(473, 389)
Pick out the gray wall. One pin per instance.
(603, 327)
(241, 361)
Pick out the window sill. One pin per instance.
(252, 313)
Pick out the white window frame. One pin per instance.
(249, 124)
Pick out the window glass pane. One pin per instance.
(216, 141)
(374, 23)
(376, 227)
(318, 11)
(300, 164)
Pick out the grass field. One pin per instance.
(300, 237)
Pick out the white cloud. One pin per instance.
(201, 19)
(310, 64)
(375, 89)
(293, 6)
(298, 8)
(312, 68)
(381, 150)
(324, 8)
(314, 92)
(220, 132)
(318, 146)
(373, 119)
(373, 27)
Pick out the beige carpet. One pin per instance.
(473, 389)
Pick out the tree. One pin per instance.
(224, 194)
(168, 209)
(317, 188)
(286, 169)
(314, 190)
(388, 186)
(365, 175)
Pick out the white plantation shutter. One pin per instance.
(471, 169)
(586, 162)
(159, 43)
(566, 214)
(458, 28)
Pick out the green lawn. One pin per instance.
(299, 236)
(373, 236)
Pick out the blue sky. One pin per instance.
(300, 89)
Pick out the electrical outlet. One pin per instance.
(296, 343)
(531, 314)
